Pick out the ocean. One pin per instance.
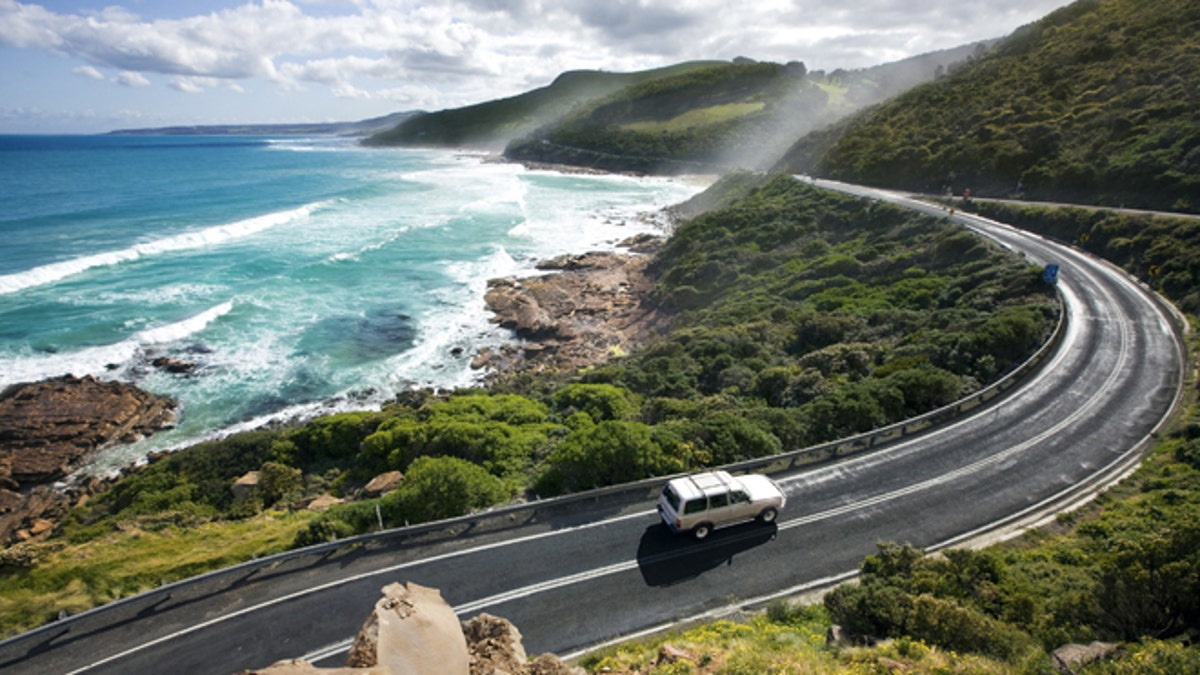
(301, 276)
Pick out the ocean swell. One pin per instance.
(218, 234)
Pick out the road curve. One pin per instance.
(573, 583)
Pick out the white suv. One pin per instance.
(702, 502)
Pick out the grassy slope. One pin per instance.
(1096, 103)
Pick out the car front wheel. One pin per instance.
(767, 516)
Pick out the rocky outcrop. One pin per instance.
(1069, 659)
(592, 308)
(382, 484)
(49, 428)
(413, 631)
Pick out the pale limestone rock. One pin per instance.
(323, 502)
(669, 653)
(244, 485)
(412, 630)
(1069, 658)
(383, 484)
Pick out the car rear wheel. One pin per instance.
(767, 516)
(702, 530)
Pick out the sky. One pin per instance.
(89, 66)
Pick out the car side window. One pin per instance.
(695, 506)
(739, 497)
(718, 500)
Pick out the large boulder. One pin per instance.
(412, 630)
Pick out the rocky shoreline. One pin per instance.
(49, 428)
(591, 307)
(588, 308)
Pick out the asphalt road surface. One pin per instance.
(594, 577)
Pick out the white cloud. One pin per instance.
(89, 72)
(192, 84)
(128, 78)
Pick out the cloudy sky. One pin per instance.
(82, 66)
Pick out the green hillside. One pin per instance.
(721, 115)
(1098, 102)
(490, 125)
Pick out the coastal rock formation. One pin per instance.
(413, 631)
(48, 428)
(592, 308)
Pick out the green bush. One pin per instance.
(442, 487)
(607, 453)
(600, 401)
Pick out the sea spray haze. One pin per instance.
(300, 275)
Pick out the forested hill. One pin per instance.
(1098, 102)
(492, 124)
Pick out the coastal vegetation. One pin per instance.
(684, 123)
(1096, 103)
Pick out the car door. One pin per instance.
(740, 506)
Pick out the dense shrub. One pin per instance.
(606, 453)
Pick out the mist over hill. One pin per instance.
(694, 116)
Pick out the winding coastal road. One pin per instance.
(584, 578)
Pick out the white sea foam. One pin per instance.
(101, 359)
(87, 361)
(53, 272)
(179, 330)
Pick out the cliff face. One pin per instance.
(48, 428)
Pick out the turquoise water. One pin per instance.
(301, 275)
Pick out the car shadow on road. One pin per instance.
(665, 558)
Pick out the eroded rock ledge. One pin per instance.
(48, 428)
(592, 307)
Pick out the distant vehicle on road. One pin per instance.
(702, 502)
